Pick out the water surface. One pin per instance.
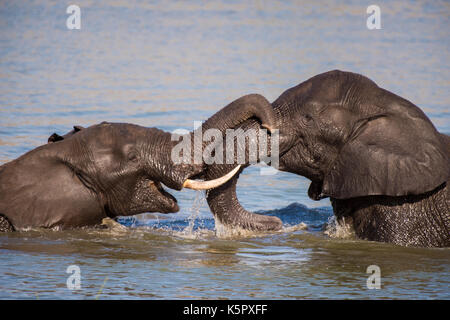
(168, 64)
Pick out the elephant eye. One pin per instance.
(132, 156)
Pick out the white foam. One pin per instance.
(200, 233)
(224, 231)
(342, 229)
(114, 226)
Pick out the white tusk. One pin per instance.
(210, 184)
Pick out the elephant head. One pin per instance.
(352, 139)
(108, 169)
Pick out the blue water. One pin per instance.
(168, 64)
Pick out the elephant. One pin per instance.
(376, 155)
(108, 170)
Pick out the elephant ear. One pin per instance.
(394, 154)
(56, 137)
(77, 128)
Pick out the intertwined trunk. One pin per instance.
(223, 200)
(252, 106)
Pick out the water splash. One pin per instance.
(224, 231)
(196, 228)
(295, 217)
(297, 227)
(114, 226)
(342, 228)
(194, 212)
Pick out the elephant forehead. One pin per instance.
(337, 115)
(109, 134)
(106, 157)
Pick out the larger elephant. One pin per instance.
(377, 156)
(107, 170)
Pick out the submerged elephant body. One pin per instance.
(410, 220)
(376, 156)
(415, 220)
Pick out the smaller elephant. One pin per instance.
(377, 156)
(107, 170)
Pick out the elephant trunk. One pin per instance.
(238, 111)
(223, 200)
(228, 212)
(176, 174)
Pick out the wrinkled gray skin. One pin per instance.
(376, 155)
(106, 170)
